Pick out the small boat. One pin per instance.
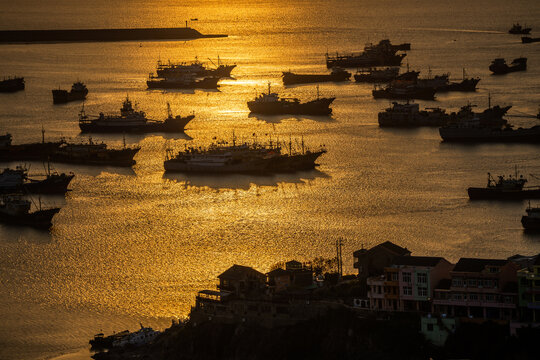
(12, 84)
(16, 210)
(136, 338)
(375, 75)
(404, 92)
(518, 29)
(500, 67)
(78, 92)
(531, 221)
(505, 188)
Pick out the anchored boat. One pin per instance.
(505, 188)
(272, 104)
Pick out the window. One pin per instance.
(456, 296)
(457, 282)
(421, 278)
(487, 283)
(407, 290)
(473, 297)
(493, 269)
(394, 276)
(406, 276)
(490, 297)
(422, 291)
(471, 282)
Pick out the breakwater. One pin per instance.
(91, 35)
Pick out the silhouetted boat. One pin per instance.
(410, 115)
(499, 66)
(31, 151)
(182, 82)
(131, 120)
(337, 75)
(195, 68)
(531, 221)
(487, 127)
(528, 40)
(12, 84)
(381, 54)
(272, 104)
(245, 158)
(518, 29)
(376, 75)
(16, 210)
(404, 92)
(78, 92)
(17, 180)
(505, 188)
(94, 154)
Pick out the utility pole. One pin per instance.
(339, 258)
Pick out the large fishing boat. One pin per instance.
(195, 68)
(186, 81)
(500, 67)
(487, 127)
(442, 83)
(376, 75)
(245, 158)
(404, 92)
(518, 29)
(381, 54)
(78, 92)
(410, 115)
(12, 84)
(505, 188)
(131, 120)
(17, 181)
(92, 153)
(337, 75)
(15, 210)
(272, 104)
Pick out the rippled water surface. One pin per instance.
(134, 245)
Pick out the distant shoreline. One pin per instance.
(101, 35)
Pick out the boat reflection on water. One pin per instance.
(242, 181)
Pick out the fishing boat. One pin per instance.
(78, 92)
(131, 121)
(531, 221)
(197, 68)
(15, 210)
(39, 151)
(518, 29)
(182, 82)
(271, 104)
(18, 181)
(500, 67)
(93, 153)
(410, 115)
(337, 75)
(12, 84)
(505, 188)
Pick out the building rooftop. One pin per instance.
(477, 265)
(278, 272)
(388, 246)
(417, 260)
(239, 272)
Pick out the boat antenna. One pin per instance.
(124, 140)
(269, 88)
(42, 134)
(489, 100)
(303, 144)
(317, 92)
(169, 112)
(213, 62)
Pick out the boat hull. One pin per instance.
(315, 107)
(64, 96)
(168, 126)
(32, 151)
(54, 184)
(532, 224)
(41, 219)
(500, 194)
(207, 83)
(478, 135)
(11, 85)
(291, 79)
(123, 157)
(364, 61)
(404, 94)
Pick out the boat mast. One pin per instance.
(317, 92)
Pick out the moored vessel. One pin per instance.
(381, 54)
(376, 75)
(78, 92)
(404, 92)
(186, 81)
(505, 188)
(337, 75)
(15, 210)
(92, 153)
(531, 221)
(18, 181)
(272, 104)
(197, 68)
(12, 84)
(518, 29)
(528, 40)
(500, 67)
(29, 151)
(410, 115)
(131, 120)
